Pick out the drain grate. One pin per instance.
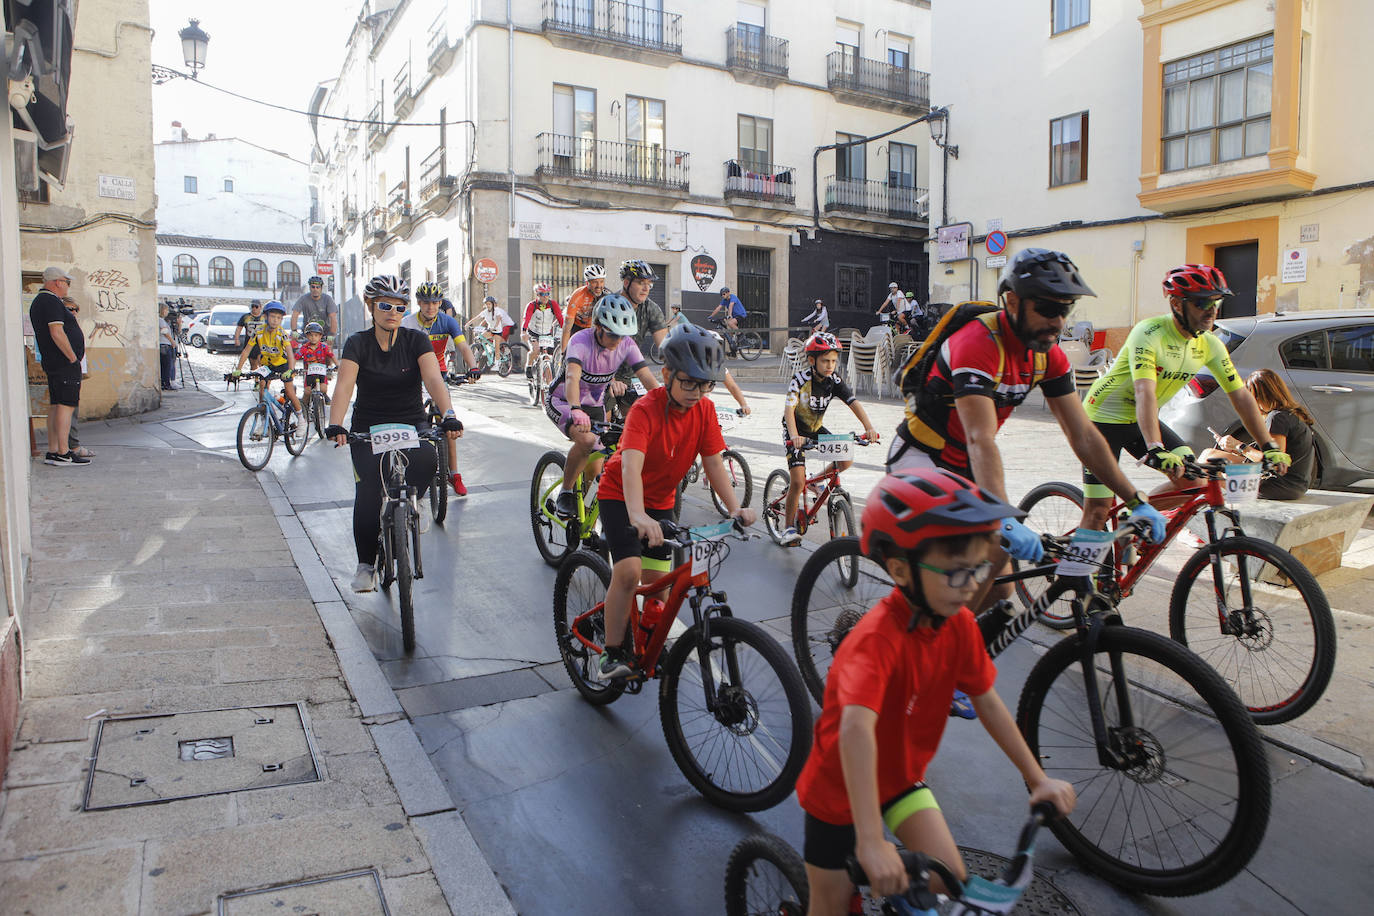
(1042, 898)
(357, 893)
(145, 760)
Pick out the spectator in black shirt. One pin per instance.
(61, 346)
(1290, 428)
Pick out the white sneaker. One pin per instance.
(364, 580)
(790, 538)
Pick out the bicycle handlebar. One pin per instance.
(433, 434)
(1056, 545)
(815, 443)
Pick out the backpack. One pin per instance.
(911, 377)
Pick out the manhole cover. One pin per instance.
(355, 894)
(144, 760)
(1042, 898)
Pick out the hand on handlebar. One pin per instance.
(581, 422)
(337, 433)
(800, 441)
(1149, 515)
(616, 387)
(1056, 792)
(1021, 542)
(648, 530)
(871, 434)
(1171, 462)
(1276, 458)
(883, 866)
(745, 517)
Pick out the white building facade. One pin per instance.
(233, 222)
(1140, 134)
(594, 131)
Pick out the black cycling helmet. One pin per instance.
(636, 269)
(315, 281)
(1034, 272)
(695, 352)
(430, 292)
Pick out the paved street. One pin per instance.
(560, 795)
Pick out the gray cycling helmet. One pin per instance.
(695, 352)
(314, 327)
(388, 285)
(616, 314)
(1034, 272)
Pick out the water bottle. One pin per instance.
(651, 615)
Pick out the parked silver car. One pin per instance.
(1327, 360)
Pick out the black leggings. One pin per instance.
(367, 491)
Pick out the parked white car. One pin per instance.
(197, 329)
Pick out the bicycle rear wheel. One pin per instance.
(765, 876)
(555, 537)
(438, 485)
(319, 412)
(1188, 805)
(741, 481)
(827, 602)
(1051, 508)
(745, 753)
(1277, 649)
(255, 438)
(400, 541)
(775, 504)
(504, 361)
(579, 588)
(750, 345)
(841, 515)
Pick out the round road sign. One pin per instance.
(485, 270)
(996, 242)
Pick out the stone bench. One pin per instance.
(1317, 529)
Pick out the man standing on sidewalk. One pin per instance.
(61, 345)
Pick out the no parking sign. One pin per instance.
(996, 242)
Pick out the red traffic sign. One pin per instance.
(485, 270)
(996, 242)
(325, 268)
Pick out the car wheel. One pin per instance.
(197, 340)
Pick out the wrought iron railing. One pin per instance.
(437, 43)
(375, 128)
(849, 72)
(611, 20)
(630, 163)
(749, 49)
(877, 198)
(374, 222)
(398, 203)
(433, 174)
(760, 181)
(400, 87)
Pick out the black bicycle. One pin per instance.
(742, 341)
(1172, 779)
(438, 486)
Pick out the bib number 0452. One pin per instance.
(1242, 483)
(393, 437)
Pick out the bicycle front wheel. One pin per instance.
(765, 876)
(254, 438)
(319, 413)
(835, 588)
(1186, 804)
(841, 515)
(1051, 508)
(400, 542)
(438, 486)
(1267, 630)
(297, 433)
(775, 503)
(741, 481)
(580, 588)
(554, 536)
(750, 345)
(744, 750)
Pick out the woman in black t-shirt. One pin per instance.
(388, 364)
(1289, 425)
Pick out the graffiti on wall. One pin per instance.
(113, 308)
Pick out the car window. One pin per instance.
(1230, 338)
(1307, 351)
(1352, 349)
(223, 318)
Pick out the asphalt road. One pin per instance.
(582, 810)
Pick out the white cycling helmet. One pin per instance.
(388, 285)
(593, 272)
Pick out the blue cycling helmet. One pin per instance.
(616, 314)
(274, 306)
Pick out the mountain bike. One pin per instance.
(1248, 607)
(765, 874)
(438, 486)
(316, 402)
(1172, 779)
(554, 535)
(398, 544)
(265, 422)
(733, 708)
(745, 343)
(544, 368)
(489, 355)
(741, 478)
(822, 489)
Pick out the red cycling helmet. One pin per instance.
(910, 507)
(822, 342)
(1196, 281)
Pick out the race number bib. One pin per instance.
(702, 540)
(1085, 552)
(836, 446)
(638, 386)
(727, 419)
(262, 372)
(546, 342)
(316, 369)
(393, 437)
(1242, 483)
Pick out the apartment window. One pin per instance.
(847, 38)
(562, 272)
(441, 263)
(852, 282)
(255, 273)
(901, 165)
(405, 273)
(1068, 14)
(159, 268)
(221, 272)
(288, 275)
(1217, 104)
(751, 22)
(189, 184)
(1069, 149)
(185, 269)
(646, 131)
(229, 186)
(756, 144)
(850, 160)
(574, 124)
(899, 52)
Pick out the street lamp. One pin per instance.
(193, 44)
(939, 126)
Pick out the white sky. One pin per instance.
(274, 50)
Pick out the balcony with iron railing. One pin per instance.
(440, 52)
(875, 199)
(750, 52)
(632, 163)
(875, 82)
(768, 183)
(374, 229)
(402, 99)
(615, 28)
(376, 130)
(436, 184)
(398, 207)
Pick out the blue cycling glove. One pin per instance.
(1149, 513)
(1021, 542)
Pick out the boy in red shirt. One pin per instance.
(315, 354)
(664, 433)
(888, 691)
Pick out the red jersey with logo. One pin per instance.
(318, 353)
(908, 678)
(670, 440)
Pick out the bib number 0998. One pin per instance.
(1084, 553)
(392, 437)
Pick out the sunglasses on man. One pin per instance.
(1210, 304)
(1053, 308)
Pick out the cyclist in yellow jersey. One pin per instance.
(1159, 357)
(275, 352)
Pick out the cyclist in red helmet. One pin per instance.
(1160, 356)
(888, 691)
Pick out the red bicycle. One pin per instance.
(1246, 606)
(822, 489)
(738, 720)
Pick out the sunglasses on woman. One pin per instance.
(388, 307)
(959, 578)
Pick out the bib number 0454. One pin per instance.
(836, 447)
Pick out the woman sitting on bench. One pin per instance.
(1290, 426)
